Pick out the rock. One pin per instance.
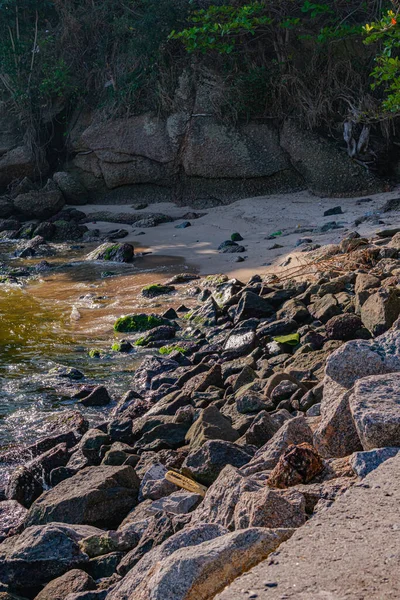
(189, 537)
(42, 553)
(252, 306)
(154, 290)
(91, 443)
(112, 252)
(12, 516)
(72, 189)
(222, 496)
(211, 425)
(375, 408)
(298, 464)
(104, 566)
(293, 310)
(205, 464)
(260, 431)
(336, 435)
(380, 311)
(283, 391)
(20, 163)
(337, 210)
(154, 485)
(23, 487)
(182, 278)
(95, 496)
(202, 381)
(240, 342)
(183, 225)
(161, 333)
(295, 431)
(67, 372)
(230, 247)
(139, 323)
(178, 503)
(202, 570)
(343, 327)
(250, 402)
(39, 205)
(364, 462)
(270, 508)
(207, 315)
(73, 581)
(98, 397)
(337, 173)
(280, 327)
(325, 308)
(364, 286)
(163, 436)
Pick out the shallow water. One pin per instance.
(57, 320)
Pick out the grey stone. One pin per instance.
(203, 570)
(363, 463)
(380, 311)
(205, 464)
(39, 205)
(42, 553)
(271, 508)
(73, 581)
(178, 503)
(154, 485)
(95, 496)
(375, 408)
(112, 252)
(211, 425)
(12, 516)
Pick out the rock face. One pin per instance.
(203, 570)
(95, 496)
(73, 191)
(336, 175)
(42, 553)
(375, 408)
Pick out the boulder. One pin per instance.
(39, 205)
(364, 287)
(295, 431)
(91, 443)
(211, 425)
(178, 503)
(363, 463)
(95, 496)
(222, 497)
(42, 553)
(23, 487)
(240, 342)
(336, 435)
(325, 308)
(375, 408)
(118, 252)
(203, 570)
(260, 431)
(206, 464)
(270, 508)
(72, 582)
(98, 397)
(337, 174)
(18, 163)
(380, 311)
(189, 537)
(72, 189)
(154, 485)
(343, 327)
(252, 306)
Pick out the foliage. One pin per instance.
(386, 72)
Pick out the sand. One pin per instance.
(255, 219)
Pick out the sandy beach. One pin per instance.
(295, 215)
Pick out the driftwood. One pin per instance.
(185, 483)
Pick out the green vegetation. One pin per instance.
(268, 59)
(166, 350)
(138, 323)
(156, 289)
(95, 353)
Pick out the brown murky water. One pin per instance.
(57, 319)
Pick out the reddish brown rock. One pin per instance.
(298, 464)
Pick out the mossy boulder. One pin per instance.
(167, 350)
(139, 323)
(152, 291)
(121, 346)
(112, 252)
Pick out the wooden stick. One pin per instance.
(185, 483)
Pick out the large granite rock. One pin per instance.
(336, 435)
(72, 189)
(211, 425)
(375, 408)
(42, 553)
(202, 570)
(270, 508)
(18, 163)
(12, 516)
(205, 464)
(380, 311)
(99, 496)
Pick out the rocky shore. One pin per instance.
(250, 414)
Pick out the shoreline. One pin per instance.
(255, 219)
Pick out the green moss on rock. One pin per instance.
(165, 350)
(138, 323)
(156, 289)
